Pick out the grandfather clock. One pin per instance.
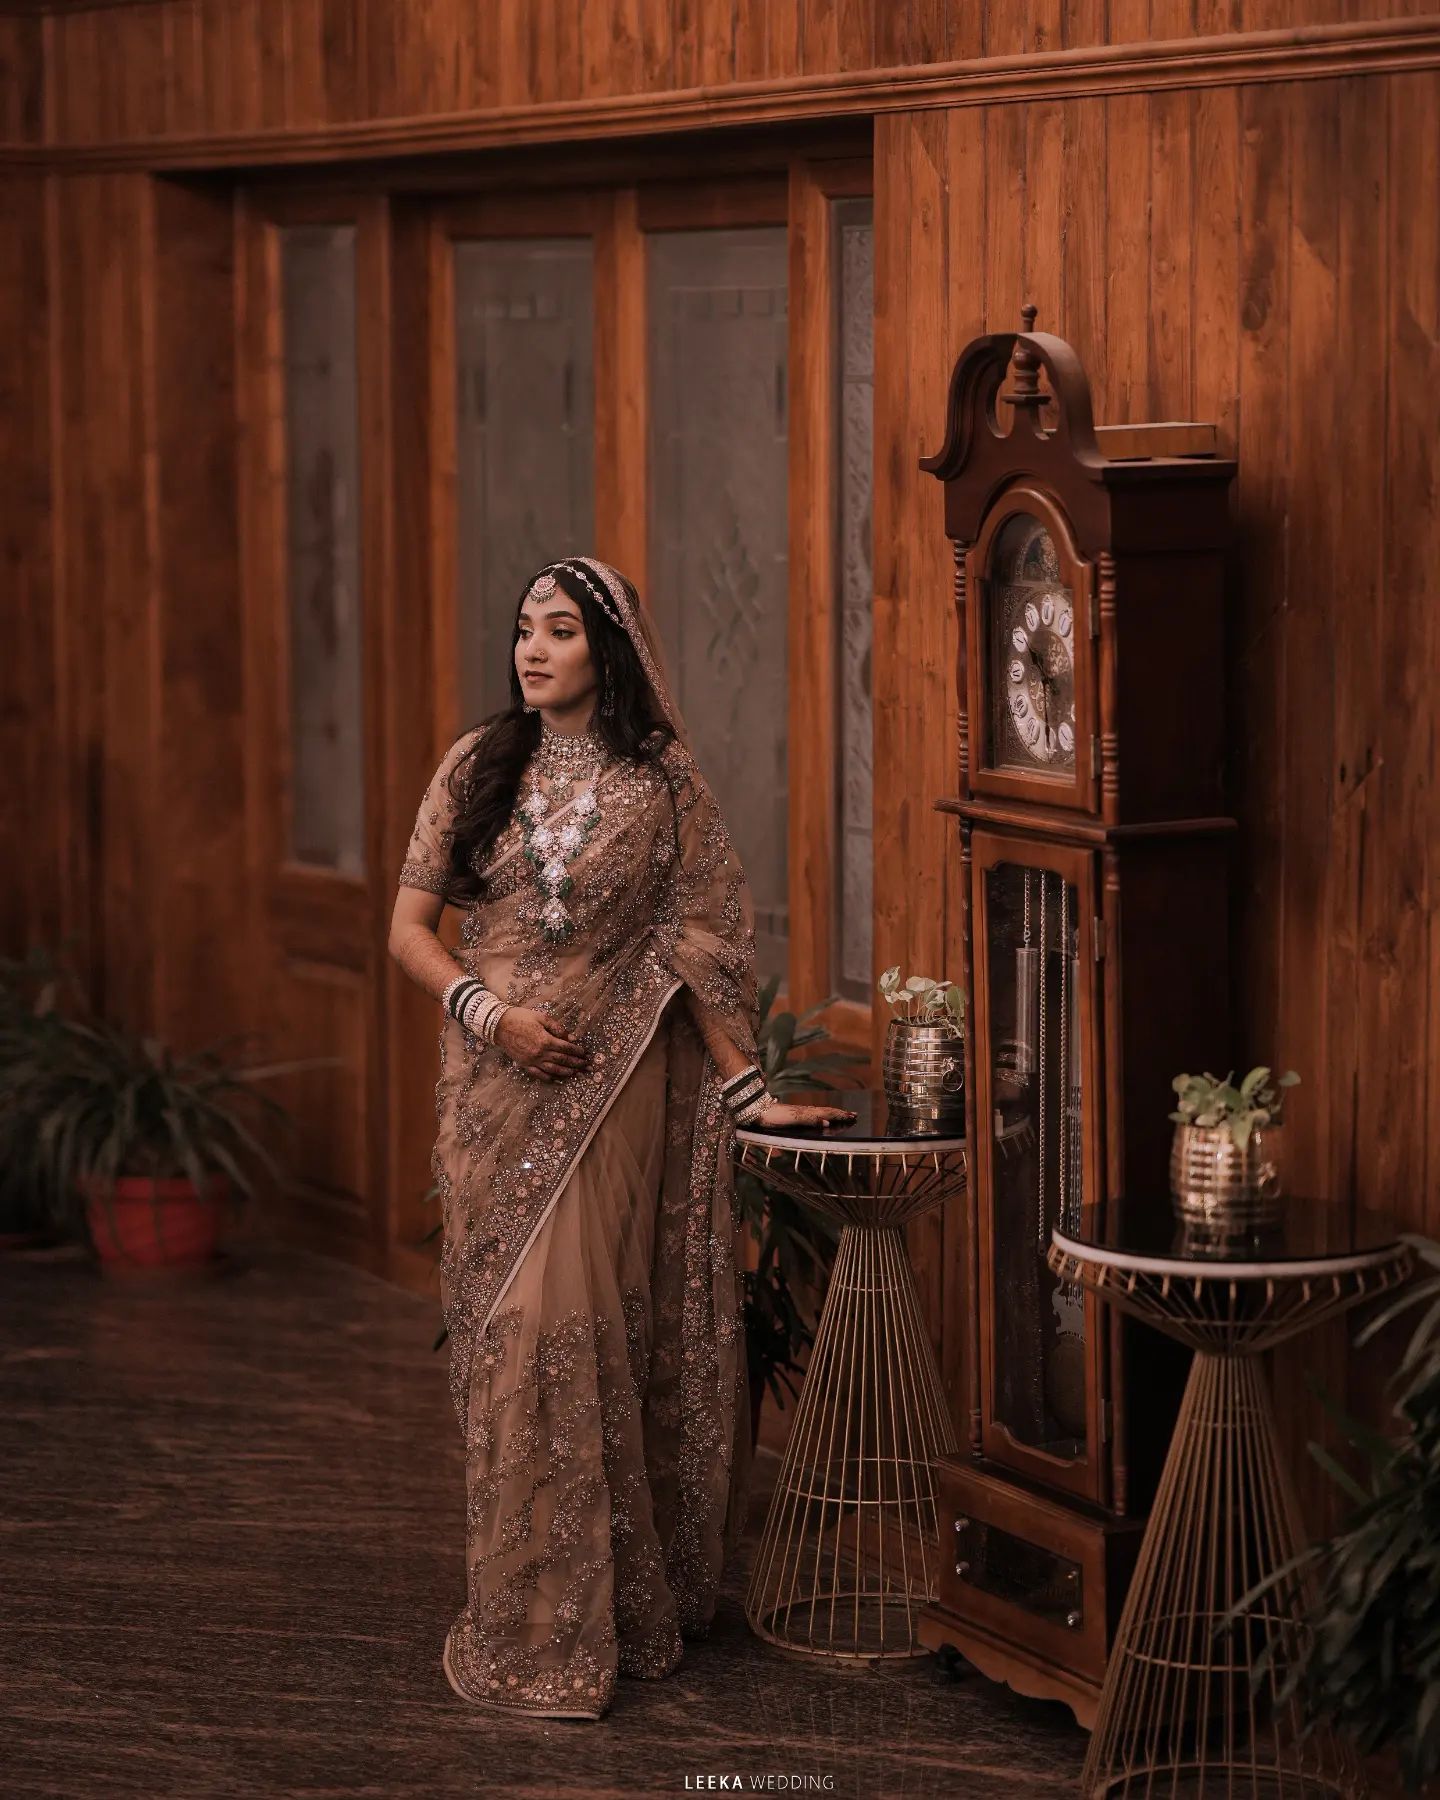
(1089, 577)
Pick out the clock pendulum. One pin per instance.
(1027, 992)
(1042, 1232)
(1065, 1374)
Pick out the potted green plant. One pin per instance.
(126, 1143)
(1224, 1157)
(31, 991)
(923, 1065)
(1371, 1665)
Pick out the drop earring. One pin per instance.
(527, 707)
(607, 702)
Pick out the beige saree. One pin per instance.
(589, 1276)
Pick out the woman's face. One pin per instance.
(552, 657)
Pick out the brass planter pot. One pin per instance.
(1214, 1182)
(923, 1072)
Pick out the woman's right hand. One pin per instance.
(541, 1047)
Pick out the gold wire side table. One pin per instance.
(1179, 1714)
(850, 1550)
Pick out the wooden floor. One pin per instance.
(231, 1511)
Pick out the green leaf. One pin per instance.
(1255, 1079)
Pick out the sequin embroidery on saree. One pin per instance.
(589, 1275)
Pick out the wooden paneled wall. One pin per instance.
(1264, 253)
(122, 566)
(1268, 258)
(137, 72)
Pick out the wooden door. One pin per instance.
(314, 497)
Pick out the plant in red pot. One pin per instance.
(32, 990)
(132, 1145)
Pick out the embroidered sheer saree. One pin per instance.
(589, 1276)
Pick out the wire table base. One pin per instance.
(849, 1555)
(1180, 1714)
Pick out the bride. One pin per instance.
(598, 1049)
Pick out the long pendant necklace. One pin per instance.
(563, 760)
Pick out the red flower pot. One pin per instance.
(155, 1224)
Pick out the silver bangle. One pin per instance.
(476, 1007)
(741, 1089)
(447, 997)
(752, 1109)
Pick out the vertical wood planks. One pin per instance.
(105, 547)
(1399, 906)
(30, 744)
(1257, 643)
(966, 312)
(1357, 761)
(1171, 237)
(1215, 269)
(1308, 620)
(1123, 394)
(199, 868)
(928, 634)
(1082, 249)
(1307, 722)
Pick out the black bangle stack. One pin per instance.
(746, 1094)
(476, 1008)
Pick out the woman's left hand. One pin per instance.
(785, 1112)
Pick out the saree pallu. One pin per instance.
(589, 1275)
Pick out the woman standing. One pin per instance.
(598, 1048)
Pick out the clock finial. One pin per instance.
(1026, 388)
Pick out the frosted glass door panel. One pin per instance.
(322, 490)
(718, 530)
(853, 236)
(525, 418)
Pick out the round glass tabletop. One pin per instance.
(1309, 1233)
(875, 1126)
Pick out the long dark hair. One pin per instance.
(484, 781)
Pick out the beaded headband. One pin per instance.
(608, 589)
(608, 592)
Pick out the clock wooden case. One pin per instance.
(1093, 840)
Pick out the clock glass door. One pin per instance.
(1032, 651)
(1030, 668)
(1035, 1090)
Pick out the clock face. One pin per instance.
(1032, 652)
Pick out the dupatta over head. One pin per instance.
(662, 911)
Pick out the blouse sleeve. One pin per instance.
(708, 924)
(427, 856)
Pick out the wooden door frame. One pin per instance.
(332, 922)
(814, 598)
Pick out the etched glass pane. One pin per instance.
(854, 288)
(525, 431)
(718, 530)
(322, 481)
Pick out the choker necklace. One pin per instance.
(565, 751)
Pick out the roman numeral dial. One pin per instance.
(1032, 632)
